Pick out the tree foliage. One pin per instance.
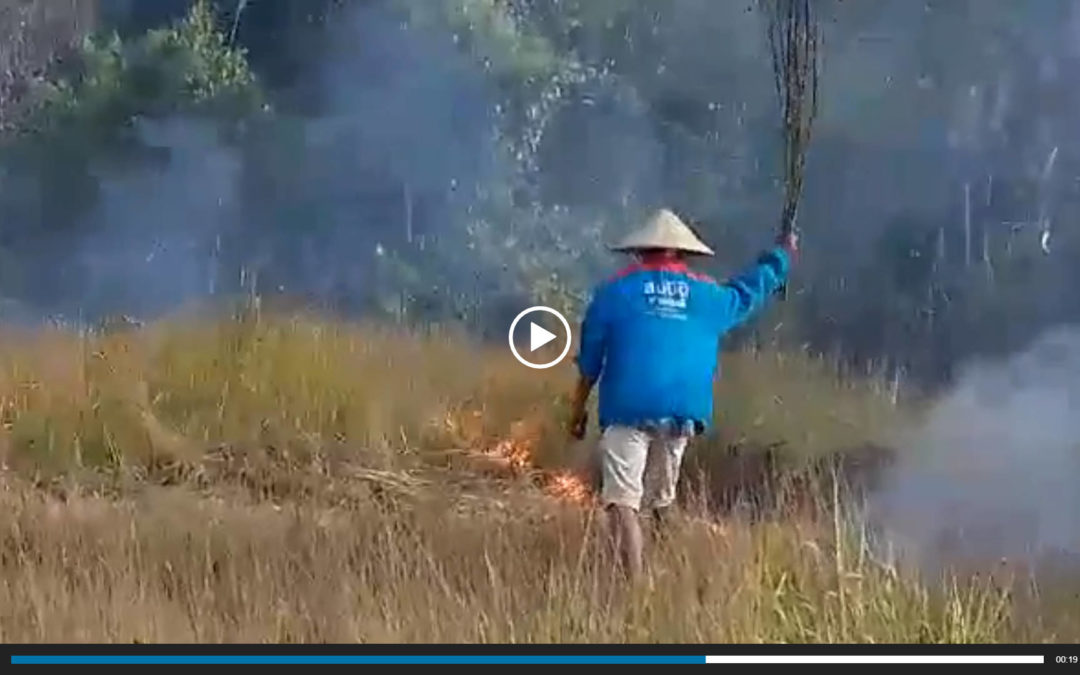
(455, 157)
(84, 127)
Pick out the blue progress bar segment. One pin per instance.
(267, 659)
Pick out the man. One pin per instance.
(651, 338)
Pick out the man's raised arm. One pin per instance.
(744, 294)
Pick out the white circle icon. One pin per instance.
(539, 336)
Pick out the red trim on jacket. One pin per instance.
(676, 266)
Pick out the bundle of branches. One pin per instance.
(794, 40)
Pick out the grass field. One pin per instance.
(297, 479)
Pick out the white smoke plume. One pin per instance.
(992, 471)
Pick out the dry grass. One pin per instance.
(302, 480)
(168, 566)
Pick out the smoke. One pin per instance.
(154, 237)
(146, 244)
(312, 203)
(397, 178)
(400, 177)
(391, 164)
(991, 472)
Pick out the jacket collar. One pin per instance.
(661, 265)
(654, 266)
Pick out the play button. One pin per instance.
(540, 336)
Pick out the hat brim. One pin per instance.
(701, 250)
(664, 231)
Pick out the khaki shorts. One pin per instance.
(639, 468)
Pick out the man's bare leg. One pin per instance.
(661, 520)
(626, 529)
(667, 454)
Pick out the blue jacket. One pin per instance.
(651, 335)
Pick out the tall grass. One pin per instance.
(294, 479)
(169, 566)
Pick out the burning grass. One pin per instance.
(291, 479)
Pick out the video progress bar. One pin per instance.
(313, 659)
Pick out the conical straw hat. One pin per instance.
(664, 229)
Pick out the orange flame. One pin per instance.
(567, 487)
(517, 453)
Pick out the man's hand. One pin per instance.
(579, 422)
(789, 241)
(579, 417)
